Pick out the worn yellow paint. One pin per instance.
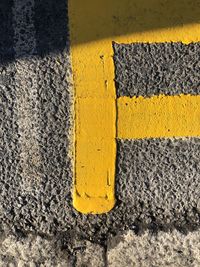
(94, 25)
(158, 116)
(95, 154)
(95, 121)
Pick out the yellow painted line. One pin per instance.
(95, 121)
(158, 116)
(130, 21)
(94, 25)
(95, 154)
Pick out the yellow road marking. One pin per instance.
(158, 116)
(93, 27)
(95, 154)
(95, 121)
(128, 21)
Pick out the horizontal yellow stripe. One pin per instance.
(127, 21)
(158, 116)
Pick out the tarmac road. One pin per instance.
(157, 180)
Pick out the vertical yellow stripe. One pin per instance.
(95, 121)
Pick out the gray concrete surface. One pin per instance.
(167, 249)
(157, 181)
(35, 251)
(148, 250)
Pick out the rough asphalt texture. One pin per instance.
(153, 69)
(157, 181)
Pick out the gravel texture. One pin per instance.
(157, 181)
(159, 68)
(36, 119)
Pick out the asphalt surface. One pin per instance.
(153, 69)
(157, 181)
